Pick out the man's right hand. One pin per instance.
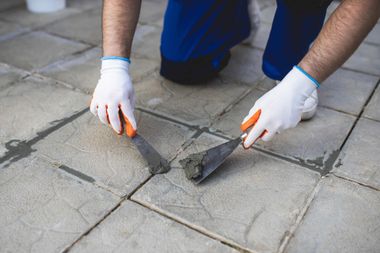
(113, 93)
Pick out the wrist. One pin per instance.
(115, 62)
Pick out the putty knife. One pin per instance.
(156, 163)
(212, 159)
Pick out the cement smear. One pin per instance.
(193, 165)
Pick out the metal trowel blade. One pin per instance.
(156, 163)
(214, 157)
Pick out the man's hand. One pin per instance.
(280, 108)
(115, 93)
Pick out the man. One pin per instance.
(195, 45)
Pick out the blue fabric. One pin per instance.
(199, 28)
(308, 76)
(291, 35)
(116, 58)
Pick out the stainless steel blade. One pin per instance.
(156, 163)
(214, 157)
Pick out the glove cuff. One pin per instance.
(109, 62)
(298, 81)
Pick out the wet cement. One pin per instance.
(160, 168)
(193, 165)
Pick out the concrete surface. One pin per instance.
(70, 184)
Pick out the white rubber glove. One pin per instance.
(280, 108)
(115, 92)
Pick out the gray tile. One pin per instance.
(372, 110)
(346, 91)
(146, 42)
(112, 160)
(9, 30)
(313, 143)
(262, 35)
(374, 35)
(84, 4)
(344, 217)
(20, 15)
(37, 49)
(252, 200)
(83, 71)
(365, 59)
(360, 159)
(6, 4)
(84, 27)
(267, 14)
(44, 209)
(195, 104)
(152, 11)
(31, 105)
(147, 232)
(244, 65)
(8, 76)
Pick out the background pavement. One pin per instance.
(69, 184)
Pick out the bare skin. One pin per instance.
(119, 24)
(340, 37)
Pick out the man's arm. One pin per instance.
(119, 24)
(340, 37)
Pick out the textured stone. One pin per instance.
(44, 209)
(20, 15)
(146, 42)
(344, 217)
(152, 11)
(37, 49)
(9, 75)
(244, 65)
(85, 27)
(359, 159)
(365, 59)
(354, 87)
(112, 160)
(267, 14)
(83, 71)
(262, 35)
(195, 104)
(30, 105)
(372, 110)
(6, 4)
(251, 200)
(84, 4)
(374, 35)
(314, 142)
(9, 30)
(147, 232)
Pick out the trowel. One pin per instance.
(200, 165)
(156, 163)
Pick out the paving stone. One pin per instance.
(261, 38)
(6, 4)
(44, 209)
(195, 104)
(146, 42)
(37, 49)
(20, 15)
(244, 65)
(372, 110)
(344, 217)
(84, 4)
(359, 159)
(251, 200)
(366, 59)
(374, 35)
(354, 87)
(85, 27)
(9, 75)
(266, 3)
(83, 71)
(147, 232)
(9, 30)
(152, 11)
(267, 14)
(30, 105)
(113, 161)
(314, 142)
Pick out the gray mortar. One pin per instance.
(193, 165)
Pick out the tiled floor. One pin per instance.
(70, 184)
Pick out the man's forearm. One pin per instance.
(340, 37)
(119, 24)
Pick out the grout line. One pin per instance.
(358, 71)
(354, 181)
(300, 217)
(196, 228)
